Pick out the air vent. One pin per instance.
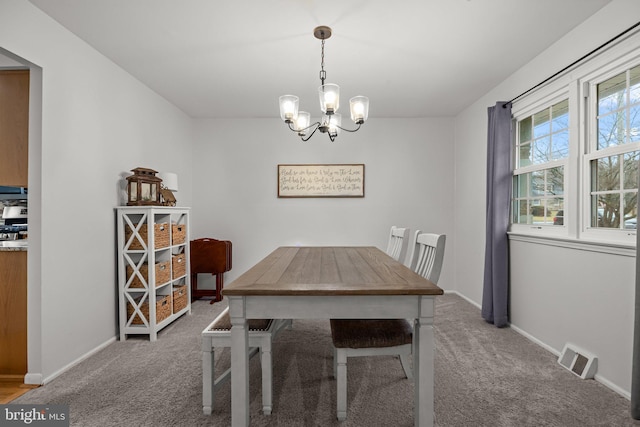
(578, 361)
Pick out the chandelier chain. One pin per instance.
(323, 74)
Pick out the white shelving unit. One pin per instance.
(154, 285)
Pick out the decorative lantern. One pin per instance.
(143, 188)
(168, 187)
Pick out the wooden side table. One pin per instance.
(209, 256)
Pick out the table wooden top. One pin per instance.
(330, 270)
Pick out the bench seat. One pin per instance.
(218, 334)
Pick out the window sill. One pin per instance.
(582, 244)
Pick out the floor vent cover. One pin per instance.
(578, 361)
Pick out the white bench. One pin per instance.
(218, 334)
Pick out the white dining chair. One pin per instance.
(427, 255)
(398, 243)
(366, 337)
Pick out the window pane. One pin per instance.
(549, 212)
(525, 130)
(553, 206)
(611, 130)
(555, 181)
(541, 124)
(630, 209)
(520, 185)
(525, 155)
(607, 214)
(560, 145)
(541, 147)
(607, 174)
(630, 169)
(634, 84)
(556, 206)
(634, 125)
(611, 94)
(537, 211)
(537, 183)
(560, 116)
(521, 212)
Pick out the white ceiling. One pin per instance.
(413, 58)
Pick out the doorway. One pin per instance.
(34, 375)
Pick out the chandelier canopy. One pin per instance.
(329, 93)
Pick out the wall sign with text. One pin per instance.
(321, 180)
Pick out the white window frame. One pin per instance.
(554, 94)
(576, 85)
(589, 92)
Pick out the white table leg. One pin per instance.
(267, 373)
(207, 375)
(239, 363)
(341, 384)
(424, 358)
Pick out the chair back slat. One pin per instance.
(398, 243)
(427, 255)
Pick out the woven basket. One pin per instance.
(160, 233)
(163, 274)
(179, 298)
(178, 233)
(163, 310)
(178, 266)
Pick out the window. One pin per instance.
(576, 153)
(542, 147)
(614, 162)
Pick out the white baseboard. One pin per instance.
(464, 298)
(535, 340)
(33, 378)
(602, 380)
(612, 386)
(75, 362)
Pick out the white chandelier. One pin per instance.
(331, 121)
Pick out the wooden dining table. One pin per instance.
(332, 282)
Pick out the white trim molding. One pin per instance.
(577, 244)
(74, 363)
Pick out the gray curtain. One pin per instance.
(495, 295)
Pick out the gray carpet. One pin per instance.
(484, 377)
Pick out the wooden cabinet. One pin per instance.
(13, 314)
(153, 268)
(14, 127)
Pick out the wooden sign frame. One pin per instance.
(321, 180)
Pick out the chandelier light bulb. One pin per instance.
(302, 122)
(335, 121)
(359, 106)
(288, 108)
(329, 98)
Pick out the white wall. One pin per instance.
(582, 297)
(408, 182)
(557, 294)
(97, 122)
